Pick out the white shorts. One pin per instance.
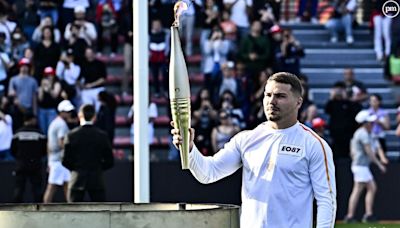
(361, 174)
(58, 174)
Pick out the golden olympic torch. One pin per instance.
(179, 89)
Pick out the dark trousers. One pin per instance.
(90, 181)
(159, 85)
(35, 178)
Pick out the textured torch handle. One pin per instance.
(180, 108)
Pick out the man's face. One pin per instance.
(280, 104)
(348, 75)
(24, 69)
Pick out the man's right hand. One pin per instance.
(177, 138)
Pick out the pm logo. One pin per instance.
(391, 8)
(290, 150)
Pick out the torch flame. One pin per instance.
(179, 8)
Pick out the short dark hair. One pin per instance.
(290, 79)
(377, 96)
(88, 111)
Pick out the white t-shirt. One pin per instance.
(283, 170)
(6, 133)
(238, 12)
(70, 75)
(8, 27)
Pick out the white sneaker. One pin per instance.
(334, 39)
(349, 40)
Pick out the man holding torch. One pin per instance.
(285, 164)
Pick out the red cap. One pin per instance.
(49, 71)
(275, 29)
(24, 61)
(318, 122)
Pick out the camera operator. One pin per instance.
(68, 73)
(87, 30)
(342, 124)
(291, 52)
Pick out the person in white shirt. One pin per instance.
(285, 164)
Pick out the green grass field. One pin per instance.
(363, 225)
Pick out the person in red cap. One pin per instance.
(22, 90)
(49, 95)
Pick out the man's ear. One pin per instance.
(299, 102)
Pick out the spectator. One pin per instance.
(255, 49)
(7, 27)
(49, 8)
(318, 125)
(215, 53)
(204, 116)
(68, 10)
(23, 88)
(93, 74)
(19, 43)
(105, 117)
(245, 87)
(272, 6)
(392, 67)
(47, 53)
(159, 48)
(126, 27)
(3, 46)
(88, 153)
(382, 122)
(153, 114)
(307, 11)
(240, 11)
(291, 51)
(27, 16)
(382, 25)
(186, 25)
(342, 125)
(87, 30)
(276, 34)
(59, 176)
(28, 148)
(68, 73)
(5, 64)
(6, 132)
(223, 132)
(364, 150)
(229, 28)
(229, 104)
(265, 14)
(107, 18)
(342, 19)
(311, 115)
(257, 115)
(49, 95)
(355, 90)
(47, 21)
(77, 44)
(210, 19)
(228, 80)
